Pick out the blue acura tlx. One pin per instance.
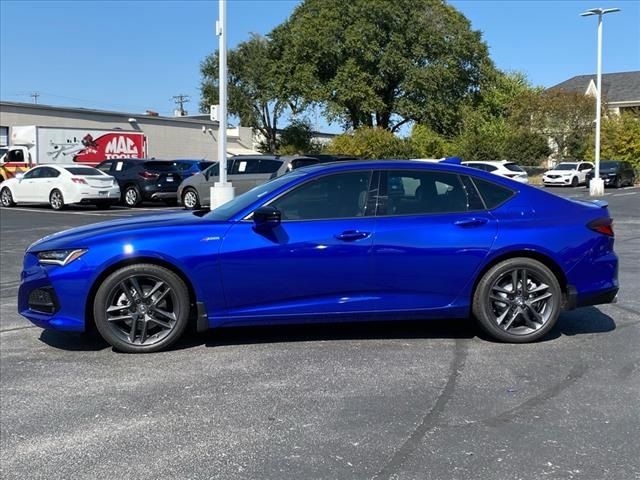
(367, 240)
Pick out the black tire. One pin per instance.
(524, 317)
(575, 182)
(618, 183)
(190, 199)
(137, 326)
(6, 198)
(56, 200)
(131, 196)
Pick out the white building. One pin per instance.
(167, 137)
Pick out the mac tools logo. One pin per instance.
(110, 145)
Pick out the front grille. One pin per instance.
(43, 300)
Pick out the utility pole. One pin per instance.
(35, 96)
(596, 185)
(180, 100)
(222, 191)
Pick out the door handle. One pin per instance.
(470, 222)
(351, 235)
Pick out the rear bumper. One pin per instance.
(573, 300)
(162, 192)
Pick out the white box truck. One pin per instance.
(35, 145)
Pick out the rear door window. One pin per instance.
(514, 167)
(245, 166)
(418, 192)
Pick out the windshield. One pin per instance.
(83, 171)
(566, 166)
(513, 167)
(609, 165)
(238, 204)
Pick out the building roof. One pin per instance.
(616, 87)
(79, 110)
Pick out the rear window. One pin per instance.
(492, 194)
(160, 166)
(514, 167)
(269, 166)
(83, 171)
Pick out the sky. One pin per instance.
(136, 55)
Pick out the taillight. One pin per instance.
(149, 175)
(79, 180)
(602, 225)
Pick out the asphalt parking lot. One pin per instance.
(409, 400)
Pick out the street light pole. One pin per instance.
(222, 191)
(596, 186)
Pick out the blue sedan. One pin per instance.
(335, 242)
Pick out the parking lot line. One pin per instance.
(624, 194)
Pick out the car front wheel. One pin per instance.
(517, 300)
(6, 198)
(574, 182)
(141, 308)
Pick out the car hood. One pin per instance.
(558, 172)
(82, 236)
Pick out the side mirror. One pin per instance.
(19, 176)
(266, 218)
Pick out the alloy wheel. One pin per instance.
(520, 302)
(6, 198)
(131, 196)
(190, 199)
(142, 310)
(56, 200)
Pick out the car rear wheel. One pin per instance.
(56, 200)
(141, 308)
(190, 199)
(517, 300)
(132, 197)
(6, 198)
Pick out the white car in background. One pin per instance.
(504, 168)
(60, 185)
(568, 173)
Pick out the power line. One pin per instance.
(35, 96)
(180, 100)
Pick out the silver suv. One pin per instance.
(243, 171)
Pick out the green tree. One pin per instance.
(566, 118)
(372, 142)
(429, 144)
(619, 139)
(383, 63)
(257, 91)
(297, 138)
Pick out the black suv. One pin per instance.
(615, 173)
(141, 179)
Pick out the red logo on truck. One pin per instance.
(110, 145)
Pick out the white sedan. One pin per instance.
(567, 173)
(60, 185)
(503, 168)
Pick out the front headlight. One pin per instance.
(60, 257)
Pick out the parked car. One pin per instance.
(505, 169)
(615, 173)
(142, 180)
(567, 173)
(243, 171)
(331, 243)
(188, 168)
(60, 185)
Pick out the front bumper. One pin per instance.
(556, 181)
(64, 308)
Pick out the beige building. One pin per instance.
(167, 137)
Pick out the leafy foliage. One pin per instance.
(297, 138)
(428, 144)
(257, 92)
(383, 63)
(619, 139)
(566, 118)
(372, 142)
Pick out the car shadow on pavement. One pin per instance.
(582, 321)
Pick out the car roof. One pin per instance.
(490, 162)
